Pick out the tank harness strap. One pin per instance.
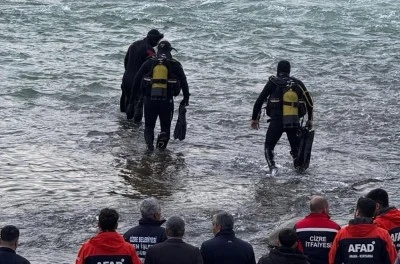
(292, 104)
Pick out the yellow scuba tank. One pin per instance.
(159, 81)
(290, 109)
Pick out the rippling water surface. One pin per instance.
(67, 152)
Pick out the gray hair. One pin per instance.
(223, 219)
(149, 206)
(175, 227)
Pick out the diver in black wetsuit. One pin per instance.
(287, 100)
(136, 55)
(160, 79)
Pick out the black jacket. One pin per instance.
(136, 55)
(8, 256)
(226, 248)
(270, 88)
(173, 251)
(149, 232)
(175, 69)
(284, 255)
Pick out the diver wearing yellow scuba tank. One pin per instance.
(287, 101)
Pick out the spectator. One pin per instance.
(149, 231)
(386, 216)
(173, 250)
(362, 241)
(107, 246)
(286, 252)
(316, 231)
(225, 247)
(8, 245)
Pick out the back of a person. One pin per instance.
(316, 234)
(227, 250)
(144, 236)
(364, 244)
(8, 256)
(390, 221)
(284, 256)
(172, 252)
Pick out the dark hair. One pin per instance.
(9, 233)
(224, 219)
(175, 226)
(366, 207)
(108, 219)
(380, 196)
(287, 237)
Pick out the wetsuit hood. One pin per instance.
(283, 67)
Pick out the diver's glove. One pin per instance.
(309, 124)
(130, 111)
(185, 101)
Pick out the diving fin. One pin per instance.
(180, 127)
(306, 139)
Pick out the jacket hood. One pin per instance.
(391, 213)
(361, 226)
(109, 241)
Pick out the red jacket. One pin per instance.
(389, 219)
(316, 233)
(362, 242)
(107, 247)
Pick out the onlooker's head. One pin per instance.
(283, 67)
(319, 204)
(380, 196)
(154, 36)
(222, 220)
(288, 238)
(150, 208)
(175, 227)
(108, 220)
(9, 236)
(365, 208)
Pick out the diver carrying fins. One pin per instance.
(288, 101)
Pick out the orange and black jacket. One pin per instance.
(316, 233)
(107, 247)
(389, 219)
(362, 242)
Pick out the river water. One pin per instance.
(67, 151)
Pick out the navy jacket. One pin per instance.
(8, 256)
(226, 248)
(173, 251)
(149, 232)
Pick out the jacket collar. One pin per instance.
(361, 220)
(318, 215)
(149, 221)
(226, 232)
(385, 210)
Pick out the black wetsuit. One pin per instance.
(276, 128)
(136, 55)
(162, 108)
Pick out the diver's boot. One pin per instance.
(162, 140)
(269, 156)
(149, 138)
